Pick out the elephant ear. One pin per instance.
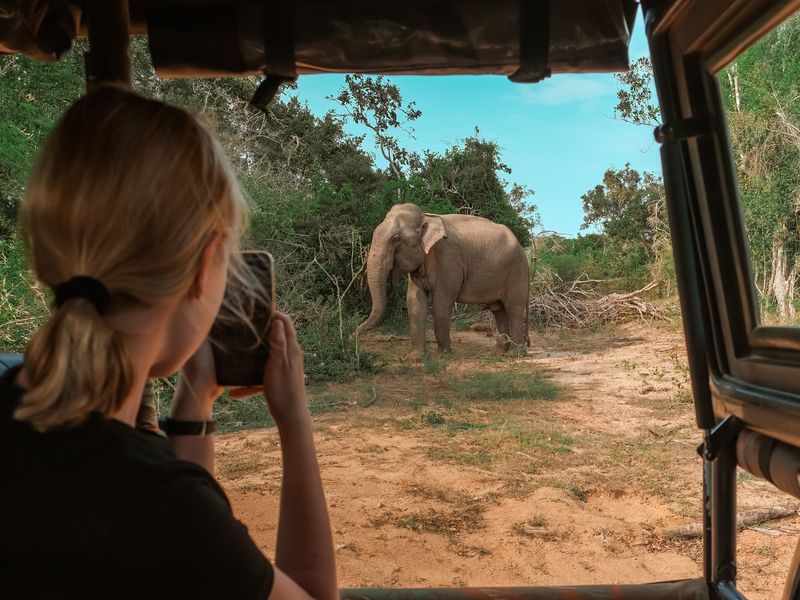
(432, 231)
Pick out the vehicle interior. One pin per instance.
(744, 374)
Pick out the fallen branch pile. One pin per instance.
(578, 304)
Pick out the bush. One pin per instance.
(327, 356)
(23, 304)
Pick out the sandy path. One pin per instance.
(412, 505)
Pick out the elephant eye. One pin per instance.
(396, 237)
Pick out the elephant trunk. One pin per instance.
(379, 265)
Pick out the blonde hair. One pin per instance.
(127, 190)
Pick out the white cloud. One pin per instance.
(565, 89)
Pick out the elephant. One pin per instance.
(453, 258)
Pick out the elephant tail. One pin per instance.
(527, 321)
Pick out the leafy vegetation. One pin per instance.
(317, 190)
(505, 386)
(761, 90)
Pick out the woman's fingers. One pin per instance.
(290, 335)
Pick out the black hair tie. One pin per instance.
(84, 287)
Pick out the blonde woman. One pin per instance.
(131, 217)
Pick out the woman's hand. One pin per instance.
(284, 380)
(197, 387)
(193, 401)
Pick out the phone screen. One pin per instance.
(239, 335)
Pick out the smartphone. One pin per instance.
(239, 335)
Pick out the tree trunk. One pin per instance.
(733, 80)
(783, 281)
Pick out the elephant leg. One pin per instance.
(503, 330)
(417, 302)
(517, 317)
(442, 312)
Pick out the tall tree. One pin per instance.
(761, 89)
(629, 208)
(466, 179)
(635, 97)
(378, 105)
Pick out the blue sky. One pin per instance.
(557, 136)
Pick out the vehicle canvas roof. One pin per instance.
(444, 37)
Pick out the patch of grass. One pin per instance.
(247, 413)
(504, 386)
(628, 365)
(464, 315)
(744, 476)
(576, 491)
(403, 365)
(433, 418)
(493, 359)
(443, 401)
(404, 424)
(682, 396)
(534, 528)
(542, 440)
(330, 359)
(433, 364)
(439, 494)
(453, 427)
(379, 522)
(324, 403)
(537, 522)
(460, 456)
(235, 470)
(466, 518)
(466, 551)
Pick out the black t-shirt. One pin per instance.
(106, 511)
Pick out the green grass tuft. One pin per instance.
(504, 386)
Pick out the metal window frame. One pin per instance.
(743, 374)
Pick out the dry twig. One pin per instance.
(578, 304)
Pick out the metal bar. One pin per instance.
(791, 590)
(109, 29)
(723, 516)
(706, 520)
(690, 588)
(688, 268)
(726, 590)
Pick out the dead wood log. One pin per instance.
(746, 519)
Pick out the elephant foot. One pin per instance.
(503, 344)
(446, 350)
(415, 354)
(518, 350)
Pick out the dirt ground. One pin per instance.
(562, 467)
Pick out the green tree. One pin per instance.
(628, 207)
(635, 97)
(377, 104)
(466, 179)
(761, 89)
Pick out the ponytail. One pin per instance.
(126, 191)
(76, 364)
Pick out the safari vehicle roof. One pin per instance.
(745, 376)
(432, 37)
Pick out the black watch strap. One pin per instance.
(176, 427)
